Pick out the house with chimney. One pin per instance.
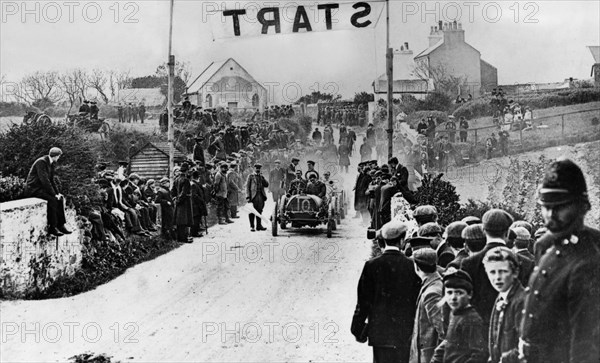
(596, 67)
(449, 51)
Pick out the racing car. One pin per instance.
(306, 210)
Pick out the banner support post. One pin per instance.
(171, 76)
(390, 83)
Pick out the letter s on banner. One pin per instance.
(252, 21)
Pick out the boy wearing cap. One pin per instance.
(502, 268)
(428, 329)
(522, 242)
(562, 315)
(387, 297)
(465, 339)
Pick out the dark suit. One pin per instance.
(255, 191)
(40, 184)
(484, 295)
(198, 152)
(385, 203)
(387, 297)
(505, 326)
(562, 314)
(525, 253)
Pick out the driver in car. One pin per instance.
(316, 187)
(297, 185)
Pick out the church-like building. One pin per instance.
(227, 84)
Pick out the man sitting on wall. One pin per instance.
(40, 184)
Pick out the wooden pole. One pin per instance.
(171, 64)
(390, 83)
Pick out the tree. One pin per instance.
(179, 86)
(97, 80)
(118, 80)
(363, 98)
(442, 79)
(318, 96)
(39, 86)
(182, 70)
(442, 195)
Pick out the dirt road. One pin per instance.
(231, 296)
(234, 296)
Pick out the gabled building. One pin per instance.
(227, 84)
(448, 49)
(596, 67)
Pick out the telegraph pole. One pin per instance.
(171, 64)
(390, 83)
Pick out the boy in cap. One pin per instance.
(453, 245)
(562, 316)
(387, 296)
(522, 240)
(496, 223)
(465, 339)
(502, 268)
(428, 329)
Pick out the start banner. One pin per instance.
(253, 20)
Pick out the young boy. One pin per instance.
(465, 339)
(502, 268)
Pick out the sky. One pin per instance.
(544, 41)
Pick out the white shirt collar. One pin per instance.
(504, 295)
(391, 248)
(497, 240)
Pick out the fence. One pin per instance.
(560, 129)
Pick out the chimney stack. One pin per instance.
(406, 45)
(440, 23)
(454, 25)
(402, 48)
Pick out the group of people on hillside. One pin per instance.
(89, 108)
(342, 114)
(130, 112)
(487, 289)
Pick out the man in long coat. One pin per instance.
(199, 209)
(360, 199)
(233, 189)
(387, 298)
(220, 187)
(255, 193)
(182, 191)
(163, 198)
(40, 184)
(277, 180)
(198, 151)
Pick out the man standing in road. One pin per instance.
(291, 172)
(255, 193)
(387, 298)
(40, 184)
(561, 320)
(276, 180)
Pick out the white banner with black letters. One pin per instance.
(253, 19)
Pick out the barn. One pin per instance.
(152, 160)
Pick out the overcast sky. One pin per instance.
(542, 42)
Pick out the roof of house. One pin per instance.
(595, 53)
(149, 96)
(163, 147)
(430, 49)
(213, 69)
(488, 64)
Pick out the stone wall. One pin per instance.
(30, 259)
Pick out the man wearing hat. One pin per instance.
(40, 184)
(291, 172)
(94, 110)
(453, 245)
(365, 150)
(387, 297)
(182, 193)
(163, 198)
(311, 170)
(255, 193)
(496, 224)
(220, 188)
(562, 315)
(522, 241)
(198, 150)
(84, 109)
(297, 185)
(122, 170)
(277, 180)
(234, 186)
(363, 181)
(428, 328)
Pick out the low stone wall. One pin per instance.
(30, 259)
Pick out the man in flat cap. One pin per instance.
(40, 184)
(561, 322)
(221, 188)
(255, 193)
(291, 172)
(198, 150)
(387, 298)
(496, 225)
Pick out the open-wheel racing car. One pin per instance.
(306, 210)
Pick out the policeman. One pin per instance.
(561, 318)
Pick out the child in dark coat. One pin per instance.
(465, 339)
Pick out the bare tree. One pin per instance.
(442, 79)
(97, 80)
(118, 80)
(68, 86)
(182, 70)
(39, 87)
